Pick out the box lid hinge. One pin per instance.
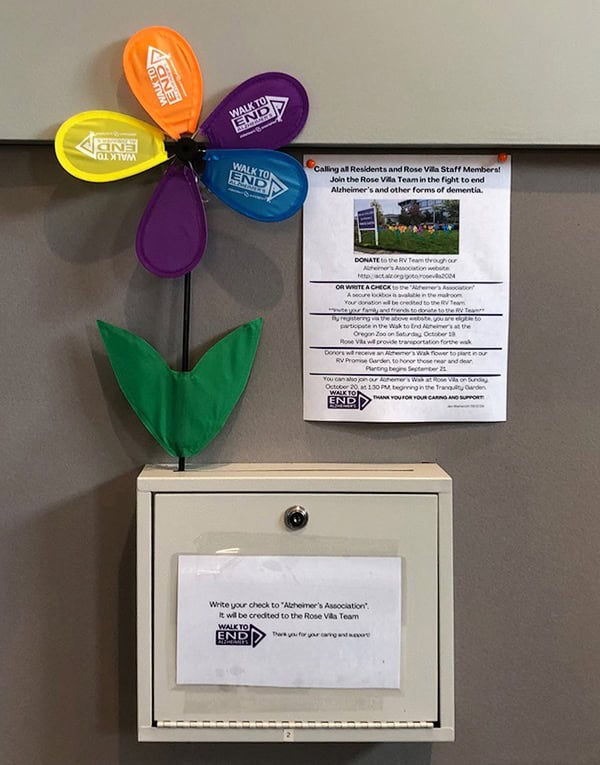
(286, 724)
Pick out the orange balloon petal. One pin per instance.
(165, 77)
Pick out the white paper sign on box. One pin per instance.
(289, 621)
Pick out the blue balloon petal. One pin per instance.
(262, 184)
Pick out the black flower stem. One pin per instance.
(185, 347)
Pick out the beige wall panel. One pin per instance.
(385, 72)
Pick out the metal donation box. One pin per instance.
(295, 603)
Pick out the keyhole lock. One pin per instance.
(295, 517)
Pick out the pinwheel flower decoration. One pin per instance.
(185, 409)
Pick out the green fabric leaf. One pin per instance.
(184, 411)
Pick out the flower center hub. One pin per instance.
(187, 150)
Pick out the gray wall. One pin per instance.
(527, 526)
(385, 72)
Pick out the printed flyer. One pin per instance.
(406, 288)
(289, 621)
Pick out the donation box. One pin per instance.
(295, 602)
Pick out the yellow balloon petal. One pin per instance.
(106, 146)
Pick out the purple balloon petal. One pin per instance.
(171, 237)
(264, 112)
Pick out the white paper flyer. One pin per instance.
(289, 621)
(406, 288)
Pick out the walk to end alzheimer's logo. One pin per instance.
(255, 182)
(239, 635)
(258, 114)
(164, 77)
(347, 399)
(110, 147)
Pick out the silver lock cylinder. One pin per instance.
(295, 517)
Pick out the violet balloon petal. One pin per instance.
(171, 236)
(265, 112)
